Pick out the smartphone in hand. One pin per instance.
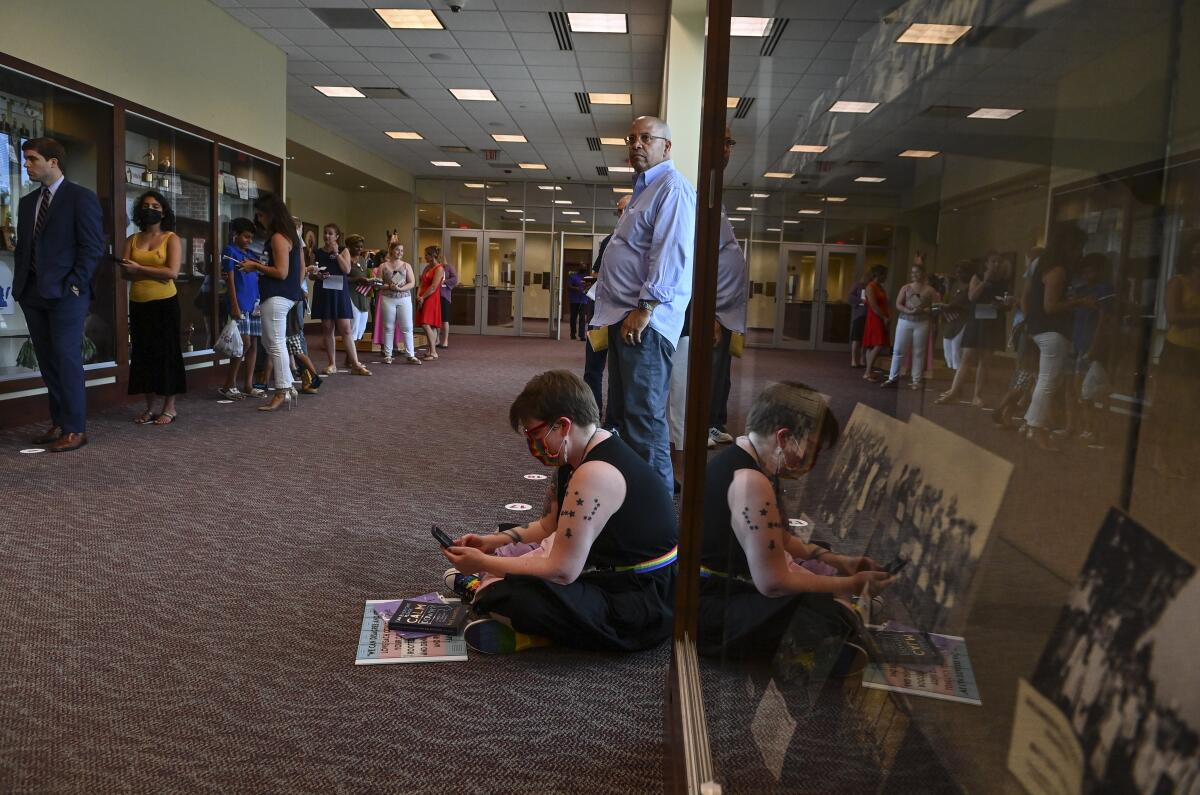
(895, 566)
(440, 536)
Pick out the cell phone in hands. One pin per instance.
(896, 565)
(440, 536)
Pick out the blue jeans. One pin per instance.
(593, 375)
(639, 380)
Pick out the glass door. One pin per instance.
(578, 254)
(501, 273)
(841, 266)
(462, 250)
(762, 309)
(799, 273)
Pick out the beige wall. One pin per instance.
(683, 83)
(331, 145)
(204, 51)
(364, 213)
(315, 202)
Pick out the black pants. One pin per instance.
(718, 413)
(593, 374)
(578, 320)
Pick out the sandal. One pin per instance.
(412, 360)
(944, 398)
(360, 370)
(170, 418)
(145, 417)
(330, 370)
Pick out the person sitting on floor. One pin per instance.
(603, 575)
(755, 575)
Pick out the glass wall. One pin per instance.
(973, 230)
(30, 108)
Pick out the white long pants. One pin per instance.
(393, 309)
(677, 399)
(952, 347)
(274, 333)
(910, 335)
(1054, 348)
(360, 322)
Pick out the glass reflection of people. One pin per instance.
(755, 574)
(914, 302)
(1179, 366)
(577, 299)
(241, 291)
(151, 261)
(332, 304)
(875, 334)
(446, 294)
(858, 321)
(1090, 334)
(953, 313)
(603, 574)
(983, 333)
(429, 302)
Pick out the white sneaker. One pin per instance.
(719, 436)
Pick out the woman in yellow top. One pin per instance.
(151, 262)
(1179, 367)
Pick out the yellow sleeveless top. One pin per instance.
(147, 289)
(1187, 337)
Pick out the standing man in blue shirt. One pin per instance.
(644, 287)
(594, 361)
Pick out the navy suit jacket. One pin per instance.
(69, 247)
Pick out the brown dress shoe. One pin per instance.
(69, 442)
(51, 435)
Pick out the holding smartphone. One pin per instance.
(895, 566)
(440, 536)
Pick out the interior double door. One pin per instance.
(491, 277)
(800, 300)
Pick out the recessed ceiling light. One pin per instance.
(919, 153)
(791, 221)
(622, 190)
(519, 212)
(362, 186)
(994, 113)
(773, 229)
(563, 201)
(609, 99)
(745, 209)
(497, 199)
(293, 157)
(835, 198)
(339, 91)
(473, 94)
(748, 26)
(404, 136)
(329, 173)
(735, 220)
(778, 175)
(505, 138)
(612, 141)
(549, 187)
(475, 184)
(808, 212)
(570, 212)
(409, 18)
(813, 148)
(924, 33)
(731, 102)
(533, 166)
(760, 195)
(528, 219)
(620, 169)
(869, 179)
(597, 23)
(444, 163)
(844, 106)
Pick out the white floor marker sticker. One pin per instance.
(535, 476)
(518, 506)
(32, 450)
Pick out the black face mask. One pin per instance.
(146, 216)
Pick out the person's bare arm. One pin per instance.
(343, 261)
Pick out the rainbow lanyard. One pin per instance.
(652, 565)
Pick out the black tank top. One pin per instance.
(720, 549)
(287, 287)
(1037, 320)
(644, 527)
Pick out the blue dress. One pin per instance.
(330, 304)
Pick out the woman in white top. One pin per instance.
(395, 316)
(914, 301)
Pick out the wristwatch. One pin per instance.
(647, 306)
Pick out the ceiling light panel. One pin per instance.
(444, 164)
(805, 212)
(745, 209)
(835, 198)
(474, 184)
(339, 91)
(919, 153)
(760, 195)
(815, 149)
(549, 187)
(925, 33)
(473, 94)
(620, 169)
(609, 99)
(404, 136)
(994, 113)
(843, 106)
(870, 179)
(505, 138)
(749, 26)
(409, 18)
(612, 141)
(778, 175)
(497, 199)
(622, 190)
(731, 102)
(563, 201)
(533, 166)
(597, 23)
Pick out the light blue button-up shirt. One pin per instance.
(733, 287)
(650, 254)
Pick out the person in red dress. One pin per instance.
(429, 302)
(875, 335)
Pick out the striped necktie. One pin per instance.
(43, 211)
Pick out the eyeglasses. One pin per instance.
(643, 138)
(730, 143)
(530, 431)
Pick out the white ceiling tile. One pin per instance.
(533, 5)
(295, 53)
(812, 9)
(504, 72)
(308, 68)
(343, 53)
(606, 42)
(534, 41)
(306, 36)
(555, 72)
(559, 86)
(495, 40)
(290, 18)
(397, 54)
(246, 17)
(353, 68)
(520, 22)
(272, 3)
(454, 70)
(369, 38)
(470, 19)
(496, 57)
(549, 58)
(274, 36)
(428, 39)
(440, 55)
(646, 43)
(331, 3)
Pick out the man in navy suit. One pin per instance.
(60, 238)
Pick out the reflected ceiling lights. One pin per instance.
(760, 195)
(475, 184)
(608, 99)
(339, 91)
(612, 141)
(570, 212)
(409, 18)
(620, 169)
(506, 138)
(815, 149)
(774, 229)
(994, 113)
(745, 209)
(533, 166)
(549, 187)
(404, 136)
(731, 102)
(444, 163)
(563, 201)
(806, 212)
(869, 179)
(844, 106)
(919, 153)
(597, 23)
(791, 221)
(473, 94)
(498, 199)
(925, 33)
(749, 26)
(577, 221)
(518, 212)
(779, 175)
(622, 190)
(736, 220)
(835, 198)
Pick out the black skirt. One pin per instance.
(155, 351)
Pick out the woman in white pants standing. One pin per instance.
(914, 301)
(394, 316)
(279, 288)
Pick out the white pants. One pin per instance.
(677, 401)
(1054, 348)
(359, 326)
(952, 347)
(393, 309)
(274, 333)
(910, 335)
